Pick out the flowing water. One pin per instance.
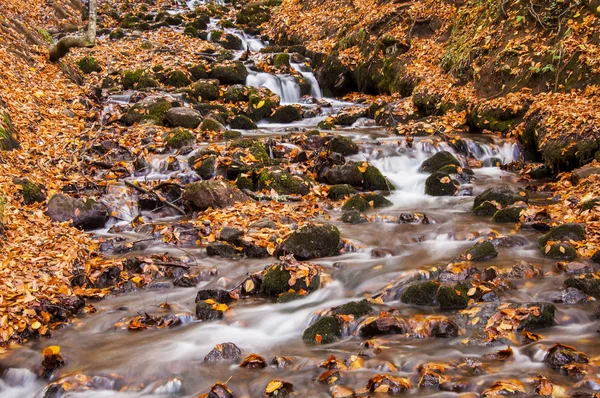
(169, 362)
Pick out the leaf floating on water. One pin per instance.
(51, 350)
(363, 167)
(273, 386)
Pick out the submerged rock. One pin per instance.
(87, 215)
(312, 241)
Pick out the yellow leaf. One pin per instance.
(271, 248)
(249, 285)
(36, 325)
(136, 280)
(260, 104)
(38, 94)
(273, 386)
(547, 249)
(52, 350)
(562, 249)
(472, 291)
(363, 167)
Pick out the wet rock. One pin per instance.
(510, 214)
(176, 78)
(281, 60)
(221, 249)
(229, 73)
(390, 322)
(373, 180)
(283, 182)
(487, 208)
(586, 283)
(231, 235)
(218, 295)
(254, 361)
(584, 172)
(502, 195)
(216, 194)
(288, 297)
(386, 383)
(421, 294)
(325, 331)
(205, 168)
(206, 312)
(353, 217)
(572, 296)
(452, 297)
(441, 184)
(224, 352)
(575, 268)
(178, 138)
(413, 218)
(533, 315)
(596, 257)
(149, 110)
(242, 122)
(264, 223)
(347, 174)
(364, 202)
(86, 215)
(560, 355)
(381, 253)
(523, 269)
(232, 135)
(261, 104)
(312, 241)
(437, 161)
(333, 76)
(286, 114)
(109, 277)
(564, 233)
(230, 41)
(277, 278)
(341, 191)
(356, 308)
(343, 145)
(481, 251)
(443, 328)
(560, 251)
(185, 281)
(211, 124)
(206, 89)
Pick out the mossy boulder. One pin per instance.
(373, 180)
(178, 138)
(149, 110)
(356, 308)
(31, 192)
(487, 208)
(229, 73)
(452, 297)
(441, 184)
(366, 201)
(210, 124)
(238, 93)
(340, 191)
(256, 148)
(286, 114)
(206, 89)
(253, 14)
(230, 41)
(283, 182)
(116, 34)
(281, 60)
(276, 281)
(89, 64)
(437, 161)
(481, 251)
(261, 104)
(353, 217)
(288, 297)
(242, 122)
(503, 195)
(510, 214)
(198, 71)
(312, 241)
(560, 251)
(326, 125)
(205, 168)
(326, 330)
(130, 78)
(183, 117)
(129, 21)
(201, 195)
(146, 82)
(8, 134)
(343, 145)
(564, 233)
(87, 215)
(421, 294)
(232, 135)
(587, 283)
(221, 249)
(177, 78)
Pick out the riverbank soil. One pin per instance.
(300, 198)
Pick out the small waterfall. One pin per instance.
(283, 85)
(308, 75)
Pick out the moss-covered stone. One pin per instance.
(146, 82)
(356, 308)
(327, 328)
(326, 125)
(206, 90)
(89, 64)
(587, 283)
(281, 60)
(283, 182)
(340, 191)
(190, 31)
(257, 148)
(487, 208)
(441, 184)
(353, 217)
(564, 233)
(152, 111)
(229, 73)
(242, 122)
(253, 14)
(261, 104)
(129, 21)
(205, 312)
(343, 145)
(198, 71)
(8, 134)
(421, 294)
(437, 161)
(205, 168)
(373, 180)
(450, 169)
(210, 124)
(286, 114)
(232, 135)
(116, 34)
(288, 297)
(276, 281)
(177, 78)
(130, 78)
(560, 251)
(508, 214)
(30, 192)
(482, 251)
(503, 195)
(366, 201)
(312, 241)
(452, 298)
(178, 138)
(221, 249)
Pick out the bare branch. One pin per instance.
(62, 47)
